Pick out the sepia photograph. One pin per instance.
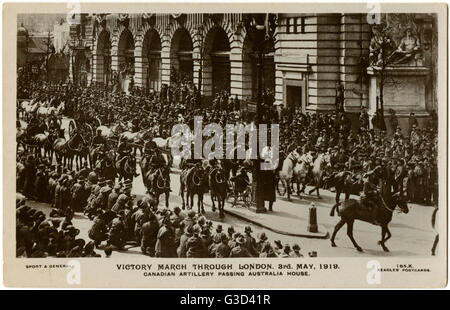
(256, 134)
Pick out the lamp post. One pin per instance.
(257, 27)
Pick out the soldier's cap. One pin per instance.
(248, 229)
(230, 229)
(287, 248)
(296, 247)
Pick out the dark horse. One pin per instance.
(157, 182)
(192, 180)
(352, 210)
(218, 188)
(126, 167)
(65, 150)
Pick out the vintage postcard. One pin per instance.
(225, 146)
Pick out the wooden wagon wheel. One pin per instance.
(88, 133)
(72, 127)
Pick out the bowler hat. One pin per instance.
(262, 236)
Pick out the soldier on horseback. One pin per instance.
(53, 123)
(371, 196)
(98, 140)
(123, 150)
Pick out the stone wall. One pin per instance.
(312, 53)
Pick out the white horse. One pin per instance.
(167, 143)
(287, 171)
(29, 107)
(301, 170)
(318, 170)
(47, 111)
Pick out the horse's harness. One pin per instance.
(292, 158)
(195, 176)
(218, 175)
(68, 144)
(160, 177)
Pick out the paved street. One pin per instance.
(412, 234)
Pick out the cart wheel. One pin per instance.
(72, 127)
(281, 188)
(88, 134)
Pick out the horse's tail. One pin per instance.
(433, 217)
(335, 207)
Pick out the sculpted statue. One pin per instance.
(408, 49)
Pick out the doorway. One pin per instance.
(294, 97)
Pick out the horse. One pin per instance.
(352, 210)
(44, 141)
(192, 180)
(167, 143)
(157, 182)
(126, 167)
(287, 171)
(318, 171)
(65, 150)
(218, 188)
(109, 132)
(47, 111)
(300, 173)
(30, 107)
(81, 155)
(137, 139)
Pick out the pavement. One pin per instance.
(285, 220)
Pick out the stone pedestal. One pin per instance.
(404, 92)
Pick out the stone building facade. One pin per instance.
(310, 54)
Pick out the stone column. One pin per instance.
(138, 64)
(71, 56)
(236, 74)
(165, 60)
(97, 68)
